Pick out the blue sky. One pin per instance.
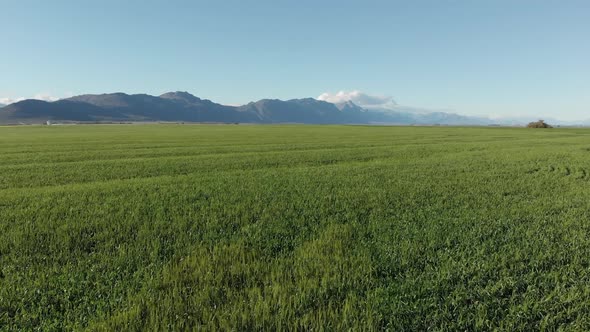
(498, 58)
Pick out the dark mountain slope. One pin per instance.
(32, 111)
(207, 110)
(139, 107)
(173, 106)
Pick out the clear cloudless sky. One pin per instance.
(498, 58)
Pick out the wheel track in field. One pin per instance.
(579, 173)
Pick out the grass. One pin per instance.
(171, 227)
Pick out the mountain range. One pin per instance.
(184, 107)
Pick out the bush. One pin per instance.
(539, 124)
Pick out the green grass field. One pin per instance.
(172, 227)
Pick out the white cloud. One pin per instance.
(359, 98)
(40, 96)
(8, 100)
(45, 96)
(375, 102)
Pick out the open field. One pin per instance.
(171, 227)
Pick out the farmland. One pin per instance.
(218, 227)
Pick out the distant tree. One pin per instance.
(539, 124)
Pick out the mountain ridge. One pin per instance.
(181, 106)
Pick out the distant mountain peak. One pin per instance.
(349, 106)
(181, 95)
(309, 100)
